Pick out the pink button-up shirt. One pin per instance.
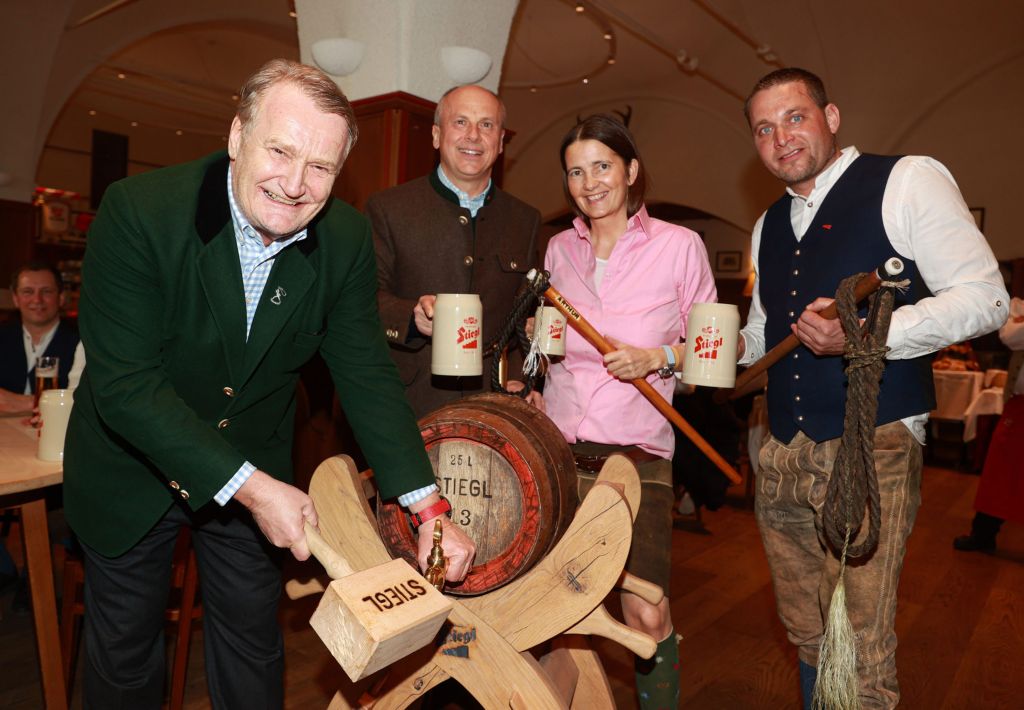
(655, 273)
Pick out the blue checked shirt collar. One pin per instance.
(473, 204)
(255, 258)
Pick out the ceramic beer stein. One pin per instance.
(549, 329)
(458, 330)
(711, 333)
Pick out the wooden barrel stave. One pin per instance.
(513, 489)
(532, 421)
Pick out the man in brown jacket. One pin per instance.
(451, 231)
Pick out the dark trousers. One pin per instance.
(240, 584)
(985, 526)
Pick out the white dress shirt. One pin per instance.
(34, 351)
(927, 221)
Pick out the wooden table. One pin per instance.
(23, 480)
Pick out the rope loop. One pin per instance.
(514, 326)
(853, 486)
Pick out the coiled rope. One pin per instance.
(853, 485)
(514, 326)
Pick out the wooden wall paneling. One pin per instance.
(18, 231)
(394, 145)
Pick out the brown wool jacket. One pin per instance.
(427, 244)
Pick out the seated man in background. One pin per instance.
(38, 293)
(37, 290)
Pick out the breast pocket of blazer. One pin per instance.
(303, 346)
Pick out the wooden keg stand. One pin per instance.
(484, 644)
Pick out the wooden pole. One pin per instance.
(577, 321)
(864, 288)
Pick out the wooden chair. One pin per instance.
(182, 609)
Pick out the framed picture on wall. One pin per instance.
(728, 261)
(979, 217)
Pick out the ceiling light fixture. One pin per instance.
(685, 61)
(767, 54)
(339, 56)
(465, 65)
(579, 7)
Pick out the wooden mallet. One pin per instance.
(372, 618)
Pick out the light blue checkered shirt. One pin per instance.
(256, 260)
(473, 204)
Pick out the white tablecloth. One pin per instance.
(954, 392)
(988, 401)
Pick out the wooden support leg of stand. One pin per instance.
(492, 668)
(592, 689)
(560, 668)
(560, 591)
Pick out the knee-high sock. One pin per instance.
(657, 678)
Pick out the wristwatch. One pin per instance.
(670, 368)
(441, 507)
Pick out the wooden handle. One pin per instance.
(648, 591)
(297, 590)
(577, 321)
(867, 285)
(600, 623)
(336, 565)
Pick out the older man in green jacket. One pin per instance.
(205, 288)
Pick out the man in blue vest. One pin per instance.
(843, 213)
(38, 293)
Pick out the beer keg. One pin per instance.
(511, 481)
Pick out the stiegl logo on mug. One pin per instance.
(712, 330)
(468, 336)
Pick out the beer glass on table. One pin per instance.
(46, 374)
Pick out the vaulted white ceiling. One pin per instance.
(937, 76)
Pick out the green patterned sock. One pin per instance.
(657, 678)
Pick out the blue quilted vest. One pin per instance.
(13, 366)
(847, 236)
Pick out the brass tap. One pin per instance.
(436, 563)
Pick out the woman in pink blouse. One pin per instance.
(634, 278)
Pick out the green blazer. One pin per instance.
(174, 398)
